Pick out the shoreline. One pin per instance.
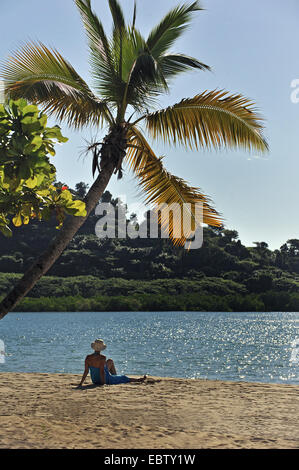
(42, 410)
(151, 378)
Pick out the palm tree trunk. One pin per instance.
(48, 258)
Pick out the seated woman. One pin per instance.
(101, 371)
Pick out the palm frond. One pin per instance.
(104, 67)
(140, 72)
(150, 67)
(44, 77)
(163, 188)
(173, 64)
(94, 29)
(146, 80)
(119, 30)
(170, 28)
(117, 15)
(134, 14)
(211, 119)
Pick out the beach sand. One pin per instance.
(47, 411)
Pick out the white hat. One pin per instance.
(98, 345)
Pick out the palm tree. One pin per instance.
(129, 73)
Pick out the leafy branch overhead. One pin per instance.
(129, 73)
(27, 189)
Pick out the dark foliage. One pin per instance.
(152, 274)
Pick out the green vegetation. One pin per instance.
(148, 275)
(130, 71)
(27, 176)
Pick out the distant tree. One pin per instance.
(261, 246)
(129, 73)
(237, 249)
(262, 253)
(106, 197)
(229, 235)
(293, 246)
(81, 189)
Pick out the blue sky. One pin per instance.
(252, 48)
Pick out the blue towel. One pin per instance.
(109, 378)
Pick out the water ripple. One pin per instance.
(226, 346)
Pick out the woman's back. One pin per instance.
(96, 360)
(96, 364)
(102, 371)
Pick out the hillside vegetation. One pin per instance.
(151, 274)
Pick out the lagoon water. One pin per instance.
(251, 347)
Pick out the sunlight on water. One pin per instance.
(253, 347)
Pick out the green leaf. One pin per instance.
(26, 210)
(77, 208)
(43, 120)
(14, 107)
(51, 150)
(37, 142)
(79, 205)
(40, 178)
(24, 171)
(30, 124)
(17, 220)
(33, 145)
(30, 109)
(32, 182)
(66, 196)
(21, 103)
(55, 133)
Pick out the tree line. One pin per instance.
(152, 274)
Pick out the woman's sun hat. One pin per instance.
(98, 345)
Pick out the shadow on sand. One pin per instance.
(148, 381)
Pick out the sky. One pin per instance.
(252, 48)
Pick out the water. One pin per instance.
(252, 347)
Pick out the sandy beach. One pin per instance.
(47, 411)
